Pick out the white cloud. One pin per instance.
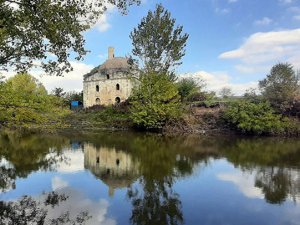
(77, 203)
(222, 10)
(244, 182)
(286, 1)
(102, 24)
(232, 1)
(74, 162)
(267, 48)
(217, 80)
(72, 81)
(58, 183)
(263, 22)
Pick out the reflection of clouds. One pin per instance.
(244, 182)
(77, 203)
(58, 183)
(74, 163)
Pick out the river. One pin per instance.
(130, 178)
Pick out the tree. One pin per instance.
(187, 87)
(58, 92)
(27, 104)
(280, 87)
(74, 96)
(47, 33)
(157, 43)
(154, 101)
(226, 92)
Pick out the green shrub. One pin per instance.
(154, 101)
(254, 118)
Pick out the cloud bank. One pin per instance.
(264, 49)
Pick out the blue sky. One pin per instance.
(231, 43)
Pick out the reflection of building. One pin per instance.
(115, 168)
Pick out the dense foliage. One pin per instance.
(154, 101)
(34, 31)
(254, 118)
(281, 86)
(24, 101)
(188, 87)
(157, 43)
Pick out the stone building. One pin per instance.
(108, 83)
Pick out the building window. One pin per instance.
(98, 101)
(118, 87)
(118, 100)
(97, 88)
(107, 76)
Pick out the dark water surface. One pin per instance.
(126, 178)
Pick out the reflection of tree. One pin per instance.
(277, 184)
(28, 210)
(7, 178)
(272, 162)
(25, 153)
(157, 204)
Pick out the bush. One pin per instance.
(154, 101)
(197, 97)
(254, 118)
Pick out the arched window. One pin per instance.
(107, 76)
(118, 87)
(118, 100)
(98, 101)
(97, 88)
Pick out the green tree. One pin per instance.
(157, 43)
(226, 92)
(74, 96)
(58, 92)
(281, 86)
(33, 31)
(154, 101)
(254, 118)
(187, 87)
(27, 104)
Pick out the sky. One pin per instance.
(232, 43)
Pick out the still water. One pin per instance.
(126, 178)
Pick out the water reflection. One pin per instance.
(276, 166)
(38, 211)
(115, 168)
(146, 170)
(22, 154)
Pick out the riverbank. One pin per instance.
(196, 119)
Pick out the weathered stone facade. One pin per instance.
(108, 83)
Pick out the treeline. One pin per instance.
(275, 111)
(24, 102)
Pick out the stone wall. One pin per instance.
(107, 93)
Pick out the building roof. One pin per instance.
(113, 64)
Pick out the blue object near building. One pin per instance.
(76, 105)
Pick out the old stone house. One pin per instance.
(108, 83)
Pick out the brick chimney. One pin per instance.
(111, 53)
